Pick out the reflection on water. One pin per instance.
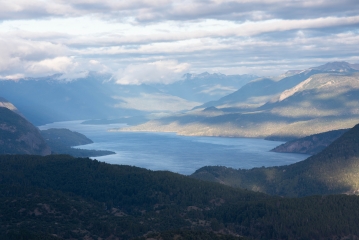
(181, 154)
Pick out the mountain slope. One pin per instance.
(18, 136)
(6, 104)
(334, 170)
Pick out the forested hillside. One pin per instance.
(74, 198)
(332, 171)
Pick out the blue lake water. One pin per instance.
(181, 154)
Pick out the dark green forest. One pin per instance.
(61, 197)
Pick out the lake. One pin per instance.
(181, 154)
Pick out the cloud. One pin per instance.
(162, 10)
(167, 71)
(232, 36)
(34, 9)
(50, 66)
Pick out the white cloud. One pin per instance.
(14, 77)
(51, 66)
(166, 72)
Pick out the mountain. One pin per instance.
(205, 87)
(332, 171)
(337, 67)
(298, 105)
(312, 144)
(18, 136)
(60, 197)
(96, 96)
(62, 141)
(261, 91)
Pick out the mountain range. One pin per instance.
(299, 104)
(49, 99)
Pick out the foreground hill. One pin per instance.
(60, 197)
(332, 171)
(18, 136)
(316, 100)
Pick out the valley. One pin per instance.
(213, 170)
(168, 120)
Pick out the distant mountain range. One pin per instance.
(332, 171)
(50, 99)
(299, 104)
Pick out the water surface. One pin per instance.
(181, 154)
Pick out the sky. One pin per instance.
(144, 41)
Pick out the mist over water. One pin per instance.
(181, 154)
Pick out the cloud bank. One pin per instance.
(145, 41)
